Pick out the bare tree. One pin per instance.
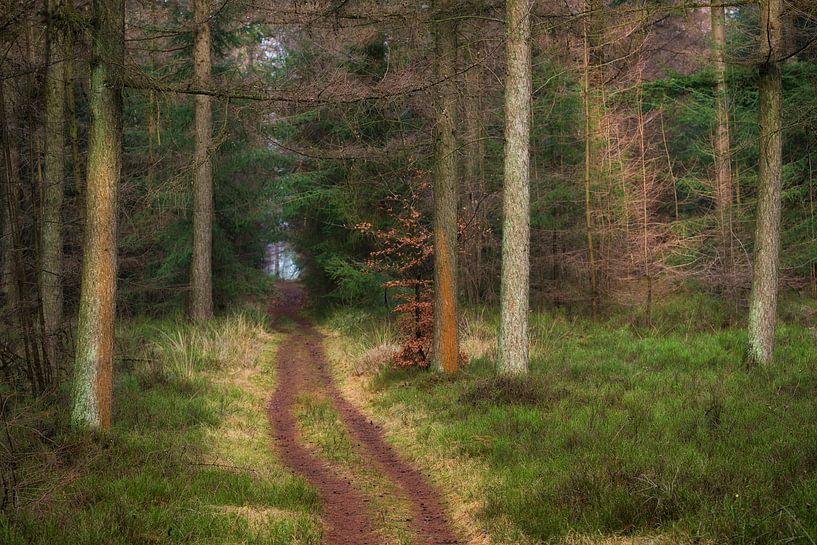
(589, 135)
(10, 169)
(71, 104)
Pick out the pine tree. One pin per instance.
(763, 300)
(201, 274)
(445, 348)
(91, 393)
(513, 326)
(51, 237)
(723, 148)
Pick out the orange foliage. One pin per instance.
(406, 251)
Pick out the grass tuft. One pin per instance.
(620, 433)
(508, 390)
(189, 458)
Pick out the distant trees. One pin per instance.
(51, 237)
(12, 262)
(474, 193)
(765, 277)
(513, 325)
(723, 145)
(92, 384)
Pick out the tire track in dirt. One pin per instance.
(302, 366)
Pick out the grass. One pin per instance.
(619, 433)
(321, 428)
(189, 457)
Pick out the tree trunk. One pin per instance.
(51, 238)
(152, 118)
(763, 300)
(201, 274)
(11, 198)
(723, 149)
(473, 175)
(91, 393)
(588, 164)
(71, 104)
(672, 179)
(445, 348)
(813, 267)
(513, 326)
(645, 194)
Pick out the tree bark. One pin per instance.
(813, 267)
(201, 274)
(91, 390)
(445, 347)
(51, 235)
(153, 108)
(588, 163)
(71, 105)
(763, 299)
(645, 194)
(723, 148)
(513, 326)
(473, 148)
(11, 197)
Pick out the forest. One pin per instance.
(383, 272)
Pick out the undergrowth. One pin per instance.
(619, 430)
(188, 459)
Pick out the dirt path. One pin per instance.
(302, 367)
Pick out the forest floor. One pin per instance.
(188, 459)
(369, 495)
(232, 432)
(229, 432)
(621, 434)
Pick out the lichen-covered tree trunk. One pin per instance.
(445, 346)
(723, 150)
(51, 240)
(91, 389)
(201, 284)
(513, 325)
(763, 299)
